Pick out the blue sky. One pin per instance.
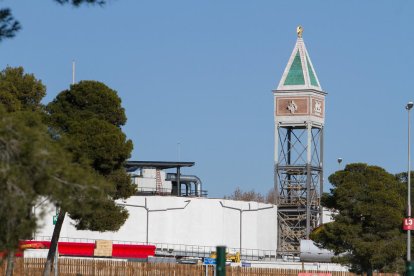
(200, 73)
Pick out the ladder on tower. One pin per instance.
(158, 181)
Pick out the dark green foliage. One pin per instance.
(33, 166)
(122, 181)
(367, 227)
(29, 160)
(78, 166)
(20, 91)
(8, 25)
(28, 156)
(84, 101)
(72, 183)
(23, 161)
(104, 144)
(87, 120)
(88, 116)
(102, 215)
(328, 201)
(403, 178)
(77, 3)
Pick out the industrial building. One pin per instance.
(182, 222)
(172, 211)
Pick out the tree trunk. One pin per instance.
(10, 262)
(53, 244)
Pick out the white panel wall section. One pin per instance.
(196, 221)
(327, 215)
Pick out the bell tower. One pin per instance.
(299, 112)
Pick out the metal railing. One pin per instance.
(153, 191)
(165, 191)
(184, 250)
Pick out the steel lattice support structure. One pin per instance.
(299, 104)
(298, 183)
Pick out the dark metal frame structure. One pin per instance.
(161, 165)
(298, 182)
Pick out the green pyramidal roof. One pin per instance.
(299, 72)
(312, 76)
(295, 74)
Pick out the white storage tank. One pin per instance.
(180, 223)
(309, 252)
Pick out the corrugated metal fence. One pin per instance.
(85, 267)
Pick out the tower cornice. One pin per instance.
(296, 91)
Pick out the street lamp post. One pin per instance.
(339, 163)
(408, 107)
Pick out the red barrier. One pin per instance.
(86, 249)
(76, 249)
(132, 251)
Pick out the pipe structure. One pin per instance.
(178, 182)
(185, 179)
(153, 210)
(241, 218)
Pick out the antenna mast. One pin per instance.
(73, 71)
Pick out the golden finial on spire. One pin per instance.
(299, 30)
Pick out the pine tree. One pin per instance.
(88, 119)
(366, 232)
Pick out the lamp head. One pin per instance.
(339, 160)
(409, 105)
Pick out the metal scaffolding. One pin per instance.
(298, 182)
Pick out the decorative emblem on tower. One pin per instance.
(318, 107)
(292, 107)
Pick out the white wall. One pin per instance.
(203, 222)
(327, 215)
(146, 181)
